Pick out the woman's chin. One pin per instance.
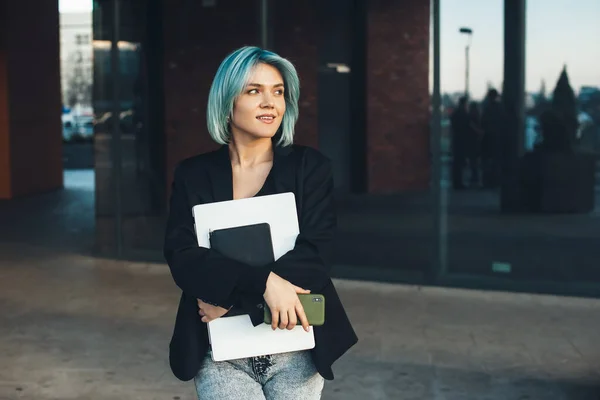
(252, 136)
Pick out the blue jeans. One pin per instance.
(280, 376)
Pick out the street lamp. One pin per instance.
(469, 33)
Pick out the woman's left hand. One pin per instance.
(209, 312)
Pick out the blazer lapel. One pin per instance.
(221, 180)
(283, 173)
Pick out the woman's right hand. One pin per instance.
(282, 299)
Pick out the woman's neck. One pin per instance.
(250, 153)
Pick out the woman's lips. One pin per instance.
(266, 119)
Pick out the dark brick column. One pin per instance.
(30, 99)
(295, 37)
(197, 39)
(398, 95)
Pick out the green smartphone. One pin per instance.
(314, 308)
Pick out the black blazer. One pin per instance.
(205, 274)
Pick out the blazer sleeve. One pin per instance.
(308, 265)
(198, 271)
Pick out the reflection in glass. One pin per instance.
(141, 188)
(524, 144)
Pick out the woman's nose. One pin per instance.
(267, 101)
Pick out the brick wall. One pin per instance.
(197, 39)
(296, 39)
(397, 95)
(30, 126)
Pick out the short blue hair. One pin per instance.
(231, 79)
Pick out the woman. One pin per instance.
(252, 110)
(475, 134)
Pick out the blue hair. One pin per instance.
(229, 82)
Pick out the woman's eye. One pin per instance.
(252, 91)
(279, 92)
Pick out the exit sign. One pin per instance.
(501, 267)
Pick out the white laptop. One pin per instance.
(235, 337)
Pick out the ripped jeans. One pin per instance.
(280, 376)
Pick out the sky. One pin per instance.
(559, 32)
(74, 5)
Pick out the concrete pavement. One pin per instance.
(77, 327)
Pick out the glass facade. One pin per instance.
(130, 182)
(501, 208)
(521, 163)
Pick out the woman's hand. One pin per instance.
(209, 312)
(282, 299)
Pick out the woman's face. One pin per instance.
(258, 111)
